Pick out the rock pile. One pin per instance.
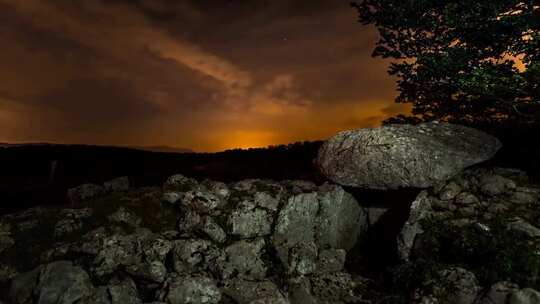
(252, 241)
(467, 215)
(471, 236)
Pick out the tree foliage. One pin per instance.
(461, 61)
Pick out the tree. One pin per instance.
(472, 62)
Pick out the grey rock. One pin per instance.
(523, 197)
(250, 223)
(99, 295)
(84, 192)
(188, 255)
(495, 184)
(296, 223)
(450, 191)
(395, 156)
(300, 291)
(189, 222)
(458, 286)
(303, 259)
(79, 213)
(466, 198)
(201, 202)
(171, 197)
(180, 183)
(217, 188)
(420, 209)
(213, 230)
(119, 184)
(246, 292)
(266, 201)
(123, 291)
(93, 241)
(192, 290)
(125, 216)
(156, 249)
(524, 296)
(334, 288)
(331, 260)
(62, 282)
(154, 271)
(300, 186)
(341, 220)
(119, 250)
(518, 224)
(498, 293)
(244, 260)
(67, 226)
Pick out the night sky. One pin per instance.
(201, 74)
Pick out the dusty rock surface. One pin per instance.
(396, 156)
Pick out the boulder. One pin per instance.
(341, 221)
(56, 283)
(394, 156)
(296, 223)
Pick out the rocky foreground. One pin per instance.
(470, 236)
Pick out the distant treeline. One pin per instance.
(26, 179)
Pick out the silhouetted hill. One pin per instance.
(25, 174)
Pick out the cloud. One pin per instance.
(201, 74)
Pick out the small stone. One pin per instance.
(466, 198)
(244, 260)
(450, 191)
(244, 292)
(123, 291)
(201, 202)
(66, 226)
(498, 293)
(171, 197)
(303, 259)
(466, 211)
(193, 290)
(523, 198)
(213, 230)
(331, 260)
(189, 222)
(521, 225)
(493, 185)
(188, 255)
(524, 296)
(266, 201)
(250, 223)
(180, 183)
(125, 216)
